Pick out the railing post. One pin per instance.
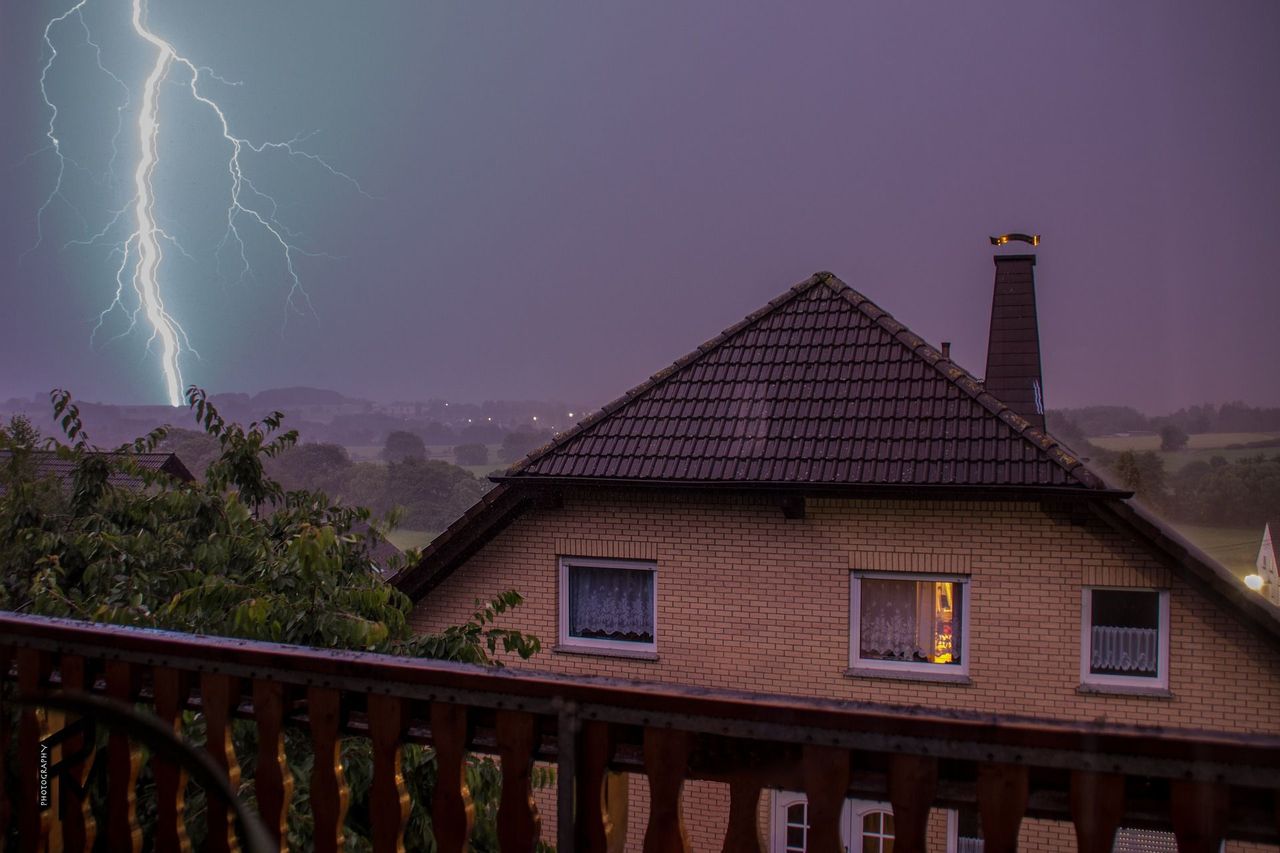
(573, 822)
(601, 811)
(1003, 790)
(328, 782)
(79, 830)
(452, 812)
(272, 783)
(388, 798)
(1097, 806)
(743, 833)
(1199, 811)
(913, 783)
(170, 686)
(825, 771)
(518, 823)
(35, 815)
(123, 763)
(666, 762)
(219, 697)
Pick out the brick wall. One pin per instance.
(748, 599)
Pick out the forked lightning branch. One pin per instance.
(133, 230)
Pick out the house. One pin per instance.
(817, 502)
(48, 464)
(1267, 563)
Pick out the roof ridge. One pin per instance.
(665, 373)
(1054, 449)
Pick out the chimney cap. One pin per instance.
(1014, 236)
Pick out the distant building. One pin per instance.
(817, 502)
(1268, 563)
(49, 464)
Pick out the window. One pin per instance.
(865, 826)
(608, 604)
(1125, 638)
(909, 623)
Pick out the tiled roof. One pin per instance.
(49, 464)
(822, 387)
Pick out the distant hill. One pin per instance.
(301, 395)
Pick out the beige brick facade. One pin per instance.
(748, 599)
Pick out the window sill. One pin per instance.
(1151, 690)
(590, 651)
(889, 675)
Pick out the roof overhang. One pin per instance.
(514, 495)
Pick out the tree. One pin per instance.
(471, 454)
(232, 555)
(1173, 437)
(19, 432)
(402, 445)
(517, 444)
(315, 467)
(1143, 473)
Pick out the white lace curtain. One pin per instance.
(1127, 650)
(608, 603)
(889, 627)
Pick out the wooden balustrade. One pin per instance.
(1203, 786)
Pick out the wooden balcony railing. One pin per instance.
(1203, 786)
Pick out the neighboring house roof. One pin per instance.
(819, 387)
(49, 464)
(381, 551)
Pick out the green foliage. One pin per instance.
(19, 432)
(233, 554)
(1173, 437)
(403, 445)
(1240, 493)
(518, 444)
(471, 454)
(1144, 474)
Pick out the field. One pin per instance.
(406, 539)
(1234, 547)
(1202, 447)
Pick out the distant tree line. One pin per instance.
(1241, 492)
(1207, 417)
(431, 492)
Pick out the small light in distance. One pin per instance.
(1254, 582)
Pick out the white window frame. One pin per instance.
(871, 665)
(851, 815)
(1127, 682)
(569, 641)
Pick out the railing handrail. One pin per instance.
(1153, 750)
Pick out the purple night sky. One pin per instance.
(568, 196)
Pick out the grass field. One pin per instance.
(1234, 547)
(1202, 441)
(1202, 447)
(405, 539)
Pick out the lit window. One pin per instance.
(608, 604)
(909, 623)
(1125, 638)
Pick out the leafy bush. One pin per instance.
(231, 554)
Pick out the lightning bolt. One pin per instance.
(141, 250)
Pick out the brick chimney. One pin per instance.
(1013, 351)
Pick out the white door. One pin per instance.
(865, 827)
